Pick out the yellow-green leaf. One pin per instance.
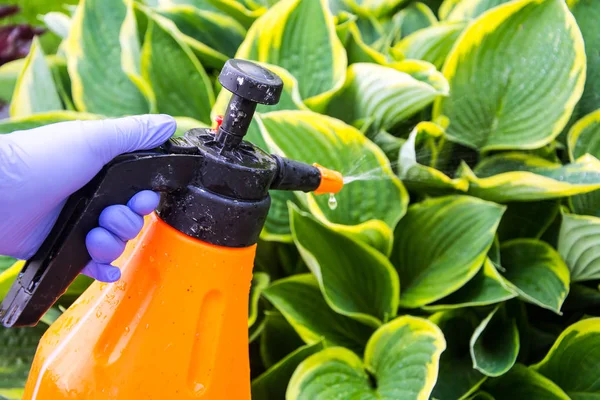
(414, 17)
(536, 271)
(378, 8)
(35, 121)
(184, 124)
(260, 281)
(578, 244)
(100, 85)
(587, 15)
(300, 301)
(514, 86)
(272, 384)
(470, 9)
(419, 177)
(35, 91)
(441, 244)
(356, 49)
(358, 282)
(520, 177)
(179, 82)
(495, 343)
(487, 287)
(281, 37)
(431, 44)
(457, 377)
(278, 339)
(381, 96)
(573, 360)
(584, 138)
(523, 383)
(373, 199)
(527, 219)
(403, 355)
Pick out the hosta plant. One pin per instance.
(463, 258)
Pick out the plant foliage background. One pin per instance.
(463, 260)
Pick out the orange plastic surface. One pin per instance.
(331, 181)
(174, 327)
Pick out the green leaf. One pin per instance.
(277, 340)
(572, 361)
(527, 219)
(8, 276)
(487, 287)
(471, 9)
(59, 23)
(17, 349)
(35, 91)
(419, 177)
(30, 10)
(584, 138)
(179, 82)
(381, 94)
(457, 377)
(587, 14)
(213, 29)
(537, 272)
(495, 344)
(184, 124)
(272, 384)
(509, 88)
(300, 301)
(373, 199)
(524, 383)
(280, 37)
(5, 263)
(403, 357)
(260, 281)
(414, 17)
(378, 8)
(441, 244)
(578, 245)
(100, 85)
(514, 177)
(356, 48)
(35, 121)
(431, 44)
(358, 282)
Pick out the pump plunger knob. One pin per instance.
(250, 84)
(251, 81)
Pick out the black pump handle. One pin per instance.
(62, 256)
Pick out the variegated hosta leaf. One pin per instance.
(290, 96)
(414, 17)
(514, 88)
(184, 124)
(35, 91)
(520, 177)
(457, 377)
(358, 282)
(35, 121)
(273, 383)
(260, 281)
(280, 37)
(434, 262)
(495, 343)
(214, 36)
(431, 44)
(584, 138)
(300, 301)
(572, 361)
(419, 177)
(537, 272)
(9, 73)
(402, 356)
(587, 14)
(356, 49)
(523, 383)
(181, 86)
(470, 9)
(372, 200)
(527, 219)
(380, 95)
(100, 85)
(487, 287)
(278, 339)
(377, 8)
(58, 23)
(578, 245)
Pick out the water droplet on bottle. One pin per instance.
(332, 203)
(147, 326)
(98, 314)
(126, 329)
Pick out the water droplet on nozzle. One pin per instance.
(332, 203)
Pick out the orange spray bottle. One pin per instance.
(175, 325)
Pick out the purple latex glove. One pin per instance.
(40, 168)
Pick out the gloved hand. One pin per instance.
(40, 168)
